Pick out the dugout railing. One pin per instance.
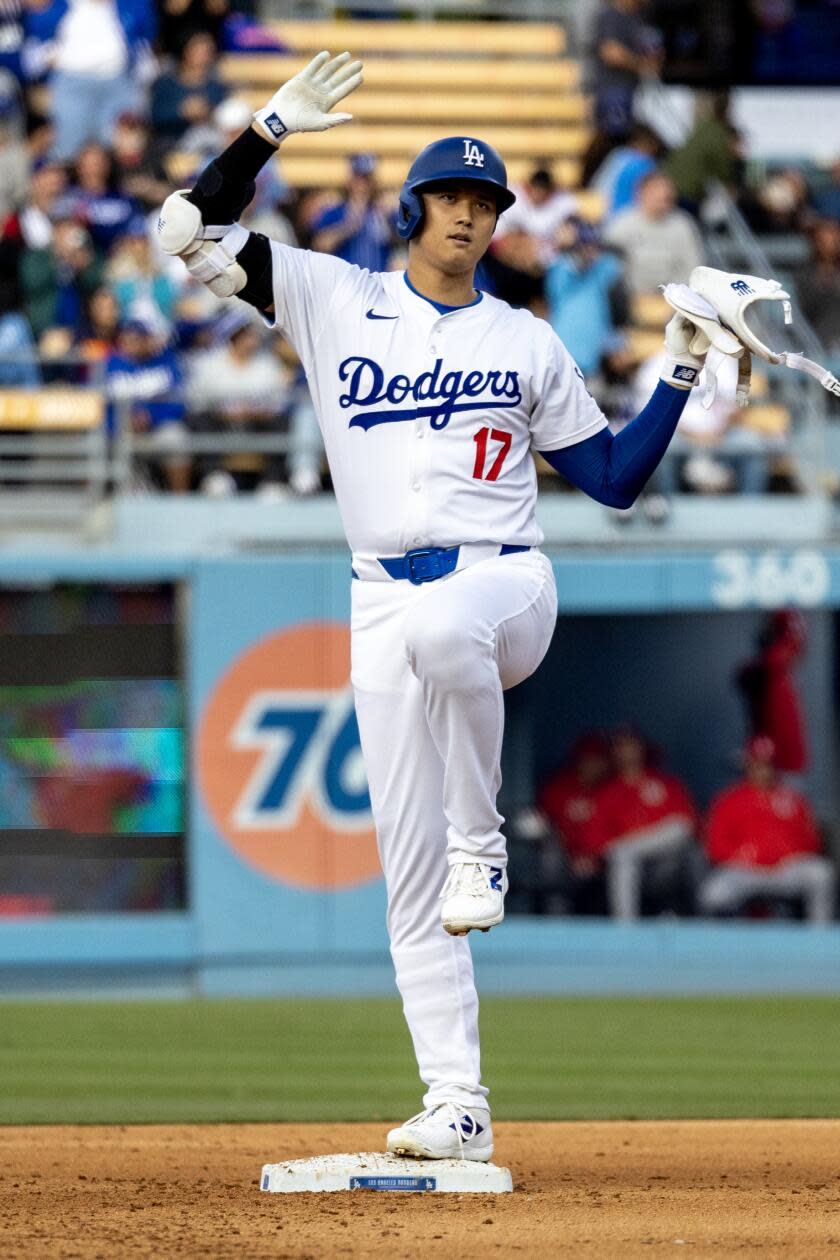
(54, 458)
(66, 449)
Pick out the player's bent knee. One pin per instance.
(442, 650)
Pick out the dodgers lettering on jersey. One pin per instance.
(428, 420)
(440, 394)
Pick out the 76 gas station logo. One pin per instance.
(278, 762)
(310, 752)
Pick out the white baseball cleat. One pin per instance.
(445, 1131)
(473, 897)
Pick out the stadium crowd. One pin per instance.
(107, 105)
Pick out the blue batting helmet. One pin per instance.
(457, 157)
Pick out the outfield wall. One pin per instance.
(283, 888)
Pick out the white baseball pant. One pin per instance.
(812, 878)
(429, 664)
(626, 856)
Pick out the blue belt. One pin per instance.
(427, 564)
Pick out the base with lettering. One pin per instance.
(375, 1171)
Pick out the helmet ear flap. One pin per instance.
(410, 214)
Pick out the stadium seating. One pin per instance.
(510, 80)
(451, 38)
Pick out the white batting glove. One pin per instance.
(694, 332)
(303, 104)
(686, 346)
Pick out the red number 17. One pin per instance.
(480, 438)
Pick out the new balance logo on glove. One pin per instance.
(275, 126)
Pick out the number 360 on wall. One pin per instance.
(745, 579)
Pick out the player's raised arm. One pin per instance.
(201, 225)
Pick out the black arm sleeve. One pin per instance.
(221, 193)
(226, 185)
(255, 259)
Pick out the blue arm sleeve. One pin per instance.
(613, 468)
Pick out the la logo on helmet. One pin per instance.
(472, 154)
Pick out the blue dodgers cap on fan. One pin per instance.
(363, 163)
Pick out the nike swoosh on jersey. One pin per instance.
(371, 314)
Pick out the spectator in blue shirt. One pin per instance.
(94, 200)
(620, 174)
(144, 380)
(626, 50)
(189, 96)
(141, 284)
(357, 229)
(579, 286)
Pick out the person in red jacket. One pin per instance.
(763, 842)
(769, 689)
(567, 802)
(643, 825)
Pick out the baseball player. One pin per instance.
(431, 397)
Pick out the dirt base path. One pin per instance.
(727, 1188)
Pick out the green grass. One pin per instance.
(544, 1058)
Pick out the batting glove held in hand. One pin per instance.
(303, 104)
(711, 338)
(686, 346)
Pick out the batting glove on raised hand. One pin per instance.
(686, 346)
(303, 104)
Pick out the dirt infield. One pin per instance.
(768, 1188)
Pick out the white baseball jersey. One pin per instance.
(428, 419)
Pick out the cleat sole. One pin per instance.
(461, 929)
